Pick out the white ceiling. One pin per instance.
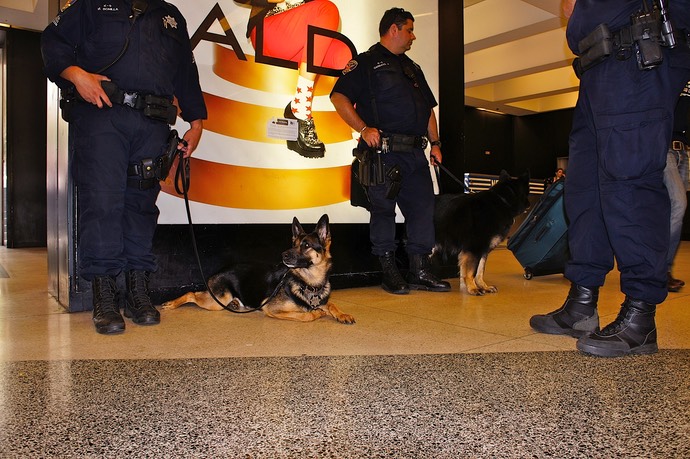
(28, 14)
(516, 57)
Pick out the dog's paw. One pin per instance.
(168, 305)
(490, 289)
(345, 319)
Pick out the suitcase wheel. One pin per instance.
(528, 274)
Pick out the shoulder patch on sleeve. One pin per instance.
(350, 66)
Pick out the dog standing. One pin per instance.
(469, 226)
(296, 289)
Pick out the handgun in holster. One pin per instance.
(370, 167)
(165, 161)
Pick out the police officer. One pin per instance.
(119, 63)
(615, 197)
(394, 114)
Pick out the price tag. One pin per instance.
(282, 128)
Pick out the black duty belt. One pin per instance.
(403, 143)
(159, 108)
(602, 43)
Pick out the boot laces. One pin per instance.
(310, 132)
(139, 290)
(389, 267)
(617, 325)
(106, 296)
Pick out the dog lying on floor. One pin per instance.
(469, 226)
(296, 289)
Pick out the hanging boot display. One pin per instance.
(307, 143)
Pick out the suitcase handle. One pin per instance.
(544, 230)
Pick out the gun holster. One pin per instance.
(165, 161)
(144, 174)
(369, 167)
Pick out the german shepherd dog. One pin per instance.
(296, 289)
(469, 226)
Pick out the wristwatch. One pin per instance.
(436, 142)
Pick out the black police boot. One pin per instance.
(106, 311)
(307, 143)
(421, 278)
(632, 333)
(577, 317)
(393, 281)
(138, 306)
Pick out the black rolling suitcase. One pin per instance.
(540, 243)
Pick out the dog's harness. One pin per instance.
(311, 297)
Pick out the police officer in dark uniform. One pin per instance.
(394, 115)
(119, 63)
(615, 197)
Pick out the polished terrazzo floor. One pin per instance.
(428, 375)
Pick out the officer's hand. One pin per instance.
(435, 155)
(192, 137)
(88, 85)
(371, 136)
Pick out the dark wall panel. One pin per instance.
(26, 140)
(540, 139)
(452, 91)
(492, 133)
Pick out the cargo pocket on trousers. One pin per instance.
(632, 145)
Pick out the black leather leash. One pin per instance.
(451, 175)
(182, 183)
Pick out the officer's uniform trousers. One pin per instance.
(416, 202)
(116, 222)
(615, 197)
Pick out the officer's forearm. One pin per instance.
(432, 128)
(192, 137)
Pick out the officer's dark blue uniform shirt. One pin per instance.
(403, 97)
(159, 59)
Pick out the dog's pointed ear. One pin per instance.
(526, 175)
(296, 228)
(503, 176)
(323, 228)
